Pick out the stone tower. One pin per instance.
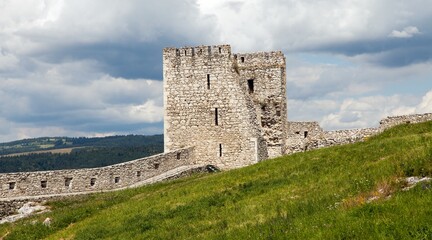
(230, 107)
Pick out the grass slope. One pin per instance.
(321, 194)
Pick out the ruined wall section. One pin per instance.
(397, 120)
(300, 134)
(304, 136)
(91, 179)
(206, 107)
(263, 77)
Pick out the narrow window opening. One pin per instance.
(242, 59)
(208, 81)
(193, 51)
(116, 179)
(216, 117)
(44, 184)
(12, 185)
(251, 85)
(297, 132)
(235, 56)
(178, 156)
(185, 52)
(92, 181)
(305, 134)
(68, 182)
(278, 112)
(138, 174)
(156, 165)
(200, 51)
(177, 52)
(220, 150)
(220, 50)
(209, 50)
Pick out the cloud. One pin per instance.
(72, 98)
(94, 68)
(407, 32)
(364, 112)
(349, 28)
(125, 38)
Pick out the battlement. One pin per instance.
(199, 51)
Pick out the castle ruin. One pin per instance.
(224, 109)
(230, 107)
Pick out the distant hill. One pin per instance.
(357, 191)
(52, 153)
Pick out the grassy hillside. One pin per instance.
(322, 194)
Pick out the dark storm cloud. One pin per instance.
(388, 52)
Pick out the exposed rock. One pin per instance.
(26, 210)
(413, 181)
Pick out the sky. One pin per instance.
(94, 68)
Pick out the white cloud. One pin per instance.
(64, 64)
(407, 32)
(426, 104)
(296, 24)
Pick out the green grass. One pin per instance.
(320, 194)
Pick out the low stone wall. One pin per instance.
(304, 136)
(121, 175)
(389, 122)
(8, 208)
(11, 206)
(327, 138)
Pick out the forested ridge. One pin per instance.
(85, 152)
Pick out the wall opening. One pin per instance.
(297, 132)
(178, 156)
(242, 59)
(220, 150)
(68, 182)
(156, 165)
(305, 134)
(116, 179)
(43, 184)
(208, 81)
(220, 50)
(250, 85)
(278, 113)
(92, 181)
(177, 52)
(138, 174)
(12, 185)
(216, 117)
(185, 52)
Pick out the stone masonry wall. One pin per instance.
(206, 106)
(303, 136)
(263, 77)
(396, 120)
(91, 179)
